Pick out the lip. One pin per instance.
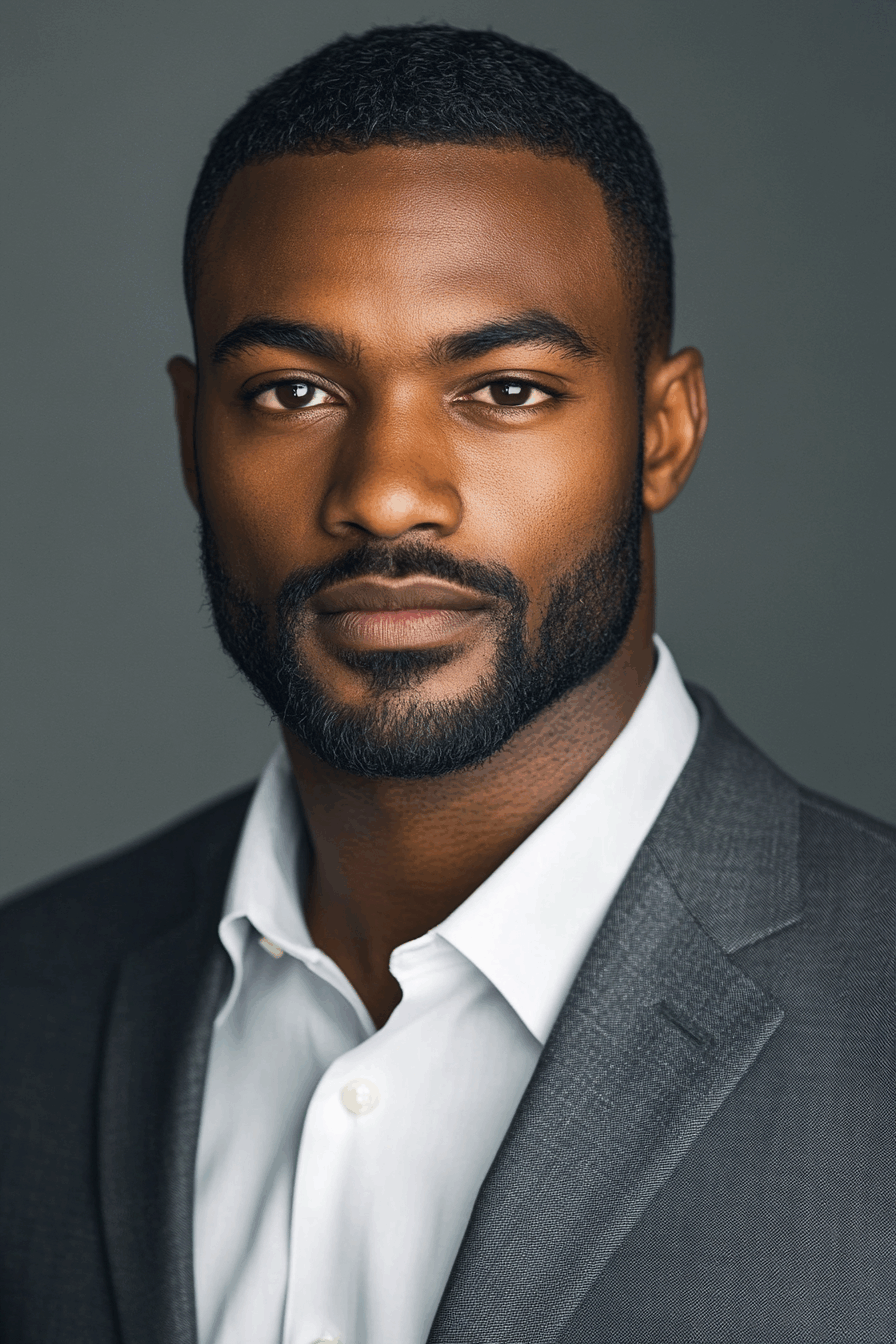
(369, 614)
(397, 595)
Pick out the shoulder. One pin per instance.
(765, 840)
(740, 764)
(848, 858)
(850, 826)
(101, 909)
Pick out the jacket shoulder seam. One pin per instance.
(876, 830)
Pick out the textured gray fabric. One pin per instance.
(706, 1152)
(729, 834)
(773, 1219)
(101, 977)
(780, 1224)
(150, 1104)
(658, 1029)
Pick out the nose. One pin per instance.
(392, 475)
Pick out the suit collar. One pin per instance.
(657, 1031)
(729, 833)
(150, 1100)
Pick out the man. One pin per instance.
(523, 1000)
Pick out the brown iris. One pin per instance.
(294, 395)
(510, 393)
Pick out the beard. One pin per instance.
(400, 736)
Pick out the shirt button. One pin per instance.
(360, 1096)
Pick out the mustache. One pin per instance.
(377, 560)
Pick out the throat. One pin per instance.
(393, 857)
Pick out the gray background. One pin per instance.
(774, 126)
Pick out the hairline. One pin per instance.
(624, 240)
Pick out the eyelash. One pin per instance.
(255, 392)
(250, 396)
(523, 382)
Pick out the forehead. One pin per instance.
(389, 238)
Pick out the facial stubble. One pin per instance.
(398, 733)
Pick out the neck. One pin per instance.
(392, 857)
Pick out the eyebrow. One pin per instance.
(530, 328)
(303, 337)
(534, 327)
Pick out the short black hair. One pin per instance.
(437, 84)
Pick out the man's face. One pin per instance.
(417, 445)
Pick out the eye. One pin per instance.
(511, 392)
(295, 395)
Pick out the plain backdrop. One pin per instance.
(774, 124)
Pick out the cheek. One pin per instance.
(535, 500)
(261, 500)
(542, 505)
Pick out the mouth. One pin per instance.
(371, 614)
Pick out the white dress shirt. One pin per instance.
(338, 1165)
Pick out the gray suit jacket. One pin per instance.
(706, 1151)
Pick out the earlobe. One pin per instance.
(182, 373)
(675, 417)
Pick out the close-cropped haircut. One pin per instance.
(436, 84)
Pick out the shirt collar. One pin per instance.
(264, 891)
(530, 924)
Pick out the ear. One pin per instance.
(182, 373)
(674, 425)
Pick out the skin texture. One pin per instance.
(396, 249)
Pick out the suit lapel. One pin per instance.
(657, 1031)
(149, 1107)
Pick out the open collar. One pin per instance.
(528, 926)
